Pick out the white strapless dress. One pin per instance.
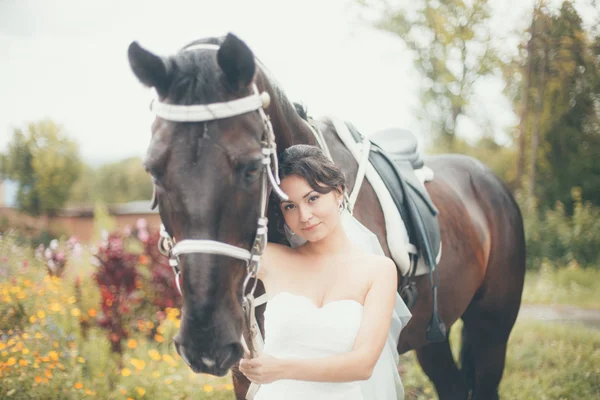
(297, 329)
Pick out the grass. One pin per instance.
(563, 286)
(550, 362)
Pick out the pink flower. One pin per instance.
(141, 224)
(127, 230)
(143, 235)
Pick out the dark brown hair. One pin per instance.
(310, 163)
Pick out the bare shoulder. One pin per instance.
(381, 266)
(276, 250)
(275, 256)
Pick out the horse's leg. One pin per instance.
(487, 325)
(438, 363)
(493, 310)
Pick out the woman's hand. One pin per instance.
(262, 369)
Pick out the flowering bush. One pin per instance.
(55, 255)
(164, 288)
(44, 353)
(119, 281)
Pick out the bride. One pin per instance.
(333, 316)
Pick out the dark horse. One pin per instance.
(207, 186)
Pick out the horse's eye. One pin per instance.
(251, 171)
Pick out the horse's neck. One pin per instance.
(289, 128)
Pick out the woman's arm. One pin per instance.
(355, 365)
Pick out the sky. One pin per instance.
(66, 60)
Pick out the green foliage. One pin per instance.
(45, 164)
(573, 286)
(568, 120)
(451, 44)
(562, 238)
(117, 182)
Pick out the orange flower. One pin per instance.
(159, 338)
(169, 360)
(141, 391)
(53, 355)
(78, 385)
(125, 372)
(131, 343)
(92, 312)
(143, 259)
(38, 379)
(138, 364)
(155, 355)
(23, 363)
(11, 361)
(208, 388)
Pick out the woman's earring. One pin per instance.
(341, 207)
(288, 231)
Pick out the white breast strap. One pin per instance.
(360, 174)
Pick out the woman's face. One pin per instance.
(308, 213)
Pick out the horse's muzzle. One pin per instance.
(215, 362)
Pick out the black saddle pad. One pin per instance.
(412, 200)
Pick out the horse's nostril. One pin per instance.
(181, 351)
(229, 355)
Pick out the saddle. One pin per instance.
(396, 166)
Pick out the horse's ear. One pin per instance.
(150, 69)
(237, 62)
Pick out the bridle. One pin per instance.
(211, 112)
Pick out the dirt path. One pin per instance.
(560, 314)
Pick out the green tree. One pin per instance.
(123, 181)
(563, 124)
(84, 189)
(45, 163)
(450, 40)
